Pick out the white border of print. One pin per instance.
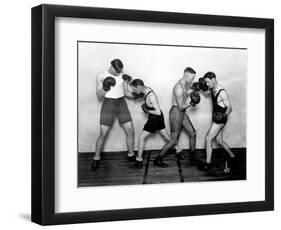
(69, 198)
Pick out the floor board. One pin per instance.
(116, 170)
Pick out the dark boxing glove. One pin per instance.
(195, 86)
(195, 98)
(137, 96)
(219, 117)
(202, 84)
(126, 77)
(107, 83)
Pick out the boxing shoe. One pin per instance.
(138, 164)
(205, 166)
(131, 158)
(158, 162)
(193, 159)
(95, 165)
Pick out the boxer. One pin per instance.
(221, 111)
(178, 116)
(155, 118)
(110, 87)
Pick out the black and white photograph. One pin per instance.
(160, 113)
(140, 114)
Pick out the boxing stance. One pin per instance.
(110, 87)
(155, 121)
(221, 110)
(178, 116)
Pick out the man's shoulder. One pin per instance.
(223, 93)
(102, 74)
(177, 88)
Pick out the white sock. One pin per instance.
(139, 159)
(131, 154)
(96, 158)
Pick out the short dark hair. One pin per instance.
(210, 75)
(117, 65)
(137, 82)
(189, 70)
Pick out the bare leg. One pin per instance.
(164, 133)
(223, 144)
(191, 132)
(210, 137)
(170, 144)
(100, 141)
(142, 137)
(129, 130)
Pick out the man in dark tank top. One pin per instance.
(221, 110)
(155, 119)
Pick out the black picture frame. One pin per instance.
(43, 114)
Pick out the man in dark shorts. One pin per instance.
(110, 87)
(221, 110)
(155, 121)
(178, 116)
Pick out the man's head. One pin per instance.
(189, 74)
(210, 79)
(116, 66)
(137, 86)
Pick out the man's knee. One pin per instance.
(142, 137)
(129, 129)
(102, 134)
(173, 142)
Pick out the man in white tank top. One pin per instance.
(110, 87)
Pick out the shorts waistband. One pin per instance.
(114, 99)
(176, 107)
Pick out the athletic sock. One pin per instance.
(96, 158)
(139, 159)
(179, 150)
(131, 154)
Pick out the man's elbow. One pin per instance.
(158, 111)
(100, 94)
(229, 110)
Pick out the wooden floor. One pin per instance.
(115, 170)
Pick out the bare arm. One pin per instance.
(127, 89)
(99, 86)
(155, 105)
(178, 92)
(226, 102)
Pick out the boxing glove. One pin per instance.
(108, 82)
(195, 98)
(195, 86)
(219, 117)
(202, 84)
(126, 77)
(137, 96)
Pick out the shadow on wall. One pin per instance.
(161, 71)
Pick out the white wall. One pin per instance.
(15, 114)
(161, 67)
